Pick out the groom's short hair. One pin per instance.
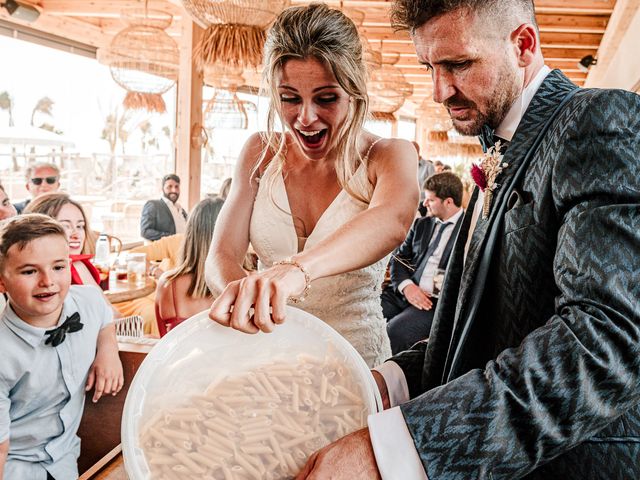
(412, 14)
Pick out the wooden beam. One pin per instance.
(103, 8)
(617, 56)
(72, 28)
(189, 116)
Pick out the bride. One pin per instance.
(322, 204)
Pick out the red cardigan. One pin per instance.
(75, 276)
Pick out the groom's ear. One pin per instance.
(526, 44)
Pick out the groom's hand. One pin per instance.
(349, 458)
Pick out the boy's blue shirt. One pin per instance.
(42, 388)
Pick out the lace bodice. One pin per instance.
(349, 302)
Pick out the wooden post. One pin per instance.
(189, 116)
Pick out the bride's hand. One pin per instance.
(257, 302)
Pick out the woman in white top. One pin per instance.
(322, 204)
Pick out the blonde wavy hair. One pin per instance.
(195, 246)
(328, 35)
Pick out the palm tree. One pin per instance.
(6, 103)
(114, 130)
(43, 106)
(146, 135)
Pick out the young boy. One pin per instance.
(56, 341)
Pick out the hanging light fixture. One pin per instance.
(225, 109)
(438, 136)
(144, 59)
(236, 29)
(388, 89)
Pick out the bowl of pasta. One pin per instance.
(211, 402)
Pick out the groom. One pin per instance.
(532, 369)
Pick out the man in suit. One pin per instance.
(425, 170)
(532, 368)
(409, 301)
(164, 217)
(41, 178)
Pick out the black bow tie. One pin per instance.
(70, 325)
(488, 139)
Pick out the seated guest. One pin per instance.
(225, 188)
(165, 216)
(81, 240)
(408, 302)
(7, 210)
(164, 251)
(425, 170)
(181, 293)
(41, 178)
(57, 341)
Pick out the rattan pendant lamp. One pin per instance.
(388, 89)
(144, 59)
(225, 109)
(236, 29)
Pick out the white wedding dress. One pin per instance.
(349, 302)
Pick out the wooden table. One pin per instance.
(110, 467)
(124, 291)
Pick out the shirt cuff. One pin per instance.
(393, 447)
(403, 284)
(396, 382)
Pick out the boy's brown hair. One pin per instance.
(23, 229)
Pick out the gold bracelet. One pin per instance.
(307, 278)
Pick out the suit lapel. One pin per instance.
(548, 100)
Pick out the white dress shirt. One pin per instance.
(176, 212)
(430, 269)
(393, 446)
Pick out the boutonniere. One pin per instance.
(485, 173)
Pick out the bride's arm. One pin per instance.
(363, 240)
(376, 231)
(231, 234)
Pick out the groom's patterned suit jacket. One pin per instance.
(532, 369)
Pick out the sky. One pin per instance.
(82, 89)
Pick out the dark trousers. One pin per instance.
(406, 324)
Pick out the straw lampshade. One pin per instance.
(236, 29)
(388, 89)
(226, 110)
(143, 59)
(438, 136)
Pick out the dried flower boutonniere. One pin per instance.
(485, 174)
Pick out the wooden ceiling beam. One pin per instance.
(65, 27)
(102, 8)
(386, 35)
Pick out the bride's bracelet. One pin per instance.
(307, 279)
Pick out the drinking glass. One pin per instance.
(137, 269)
(438, 279)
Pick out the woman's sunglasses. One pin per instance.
(49, 180)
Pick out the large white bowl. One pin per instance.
(199, 352)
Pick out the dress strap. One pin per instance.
(366, 156)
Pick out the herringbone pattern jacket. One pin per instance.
(533, 365)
